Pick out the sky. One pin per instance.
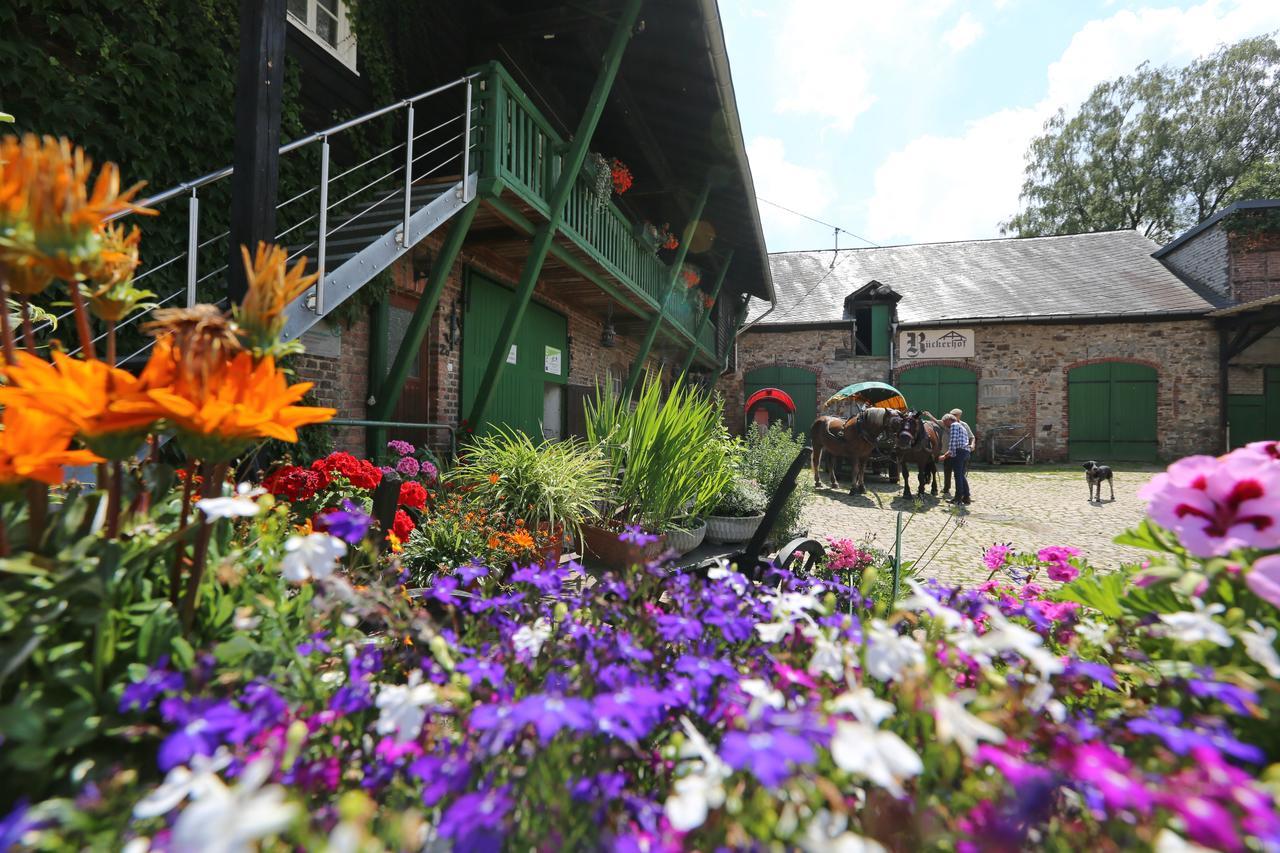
(906, 121)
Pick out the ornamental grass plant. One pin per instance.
(668, 456)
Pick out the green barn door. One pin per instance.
(938, 390)
(1247, 418)
(527, 394)
(800, 384)
(1112, 412)
(1272, 395)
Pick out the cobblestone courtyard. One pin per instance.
(1031, 507)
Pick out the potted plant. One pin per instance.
(737, 513)
(686, 533)
(667, 459)
(552, 486)
(765, 460)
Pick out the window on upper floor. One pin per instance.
(871, 330)
(329, 24)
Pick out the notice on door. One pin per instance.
(551, 360)
(511, 356)
(936, 343)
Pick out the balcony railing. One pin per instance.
(518, 146)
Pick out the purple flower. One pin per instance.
(550, 714)
(996, 556)
(315, 644)
(408, 466)
(1093, 671)
(440, 775)
(635, 535)
(629, 713)
(1208, 823)
(1111, 776)
(1238, 699)
(141, 695)
(478, 670)
(474, 821)
(16, 824)
(469, 572)
(675, 629)
(769, 756)
(350, 524)
(204, 725)
(429, 472)
(443, 589)
(402, 448)
(547, 580)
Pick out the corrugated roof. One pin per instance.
(1104, 274)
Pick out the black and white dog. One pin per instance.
(1095, 474)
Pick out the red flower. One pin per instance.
(361, 473)
(621, 175)
(403, 525)
(413, 494)
(295, 483)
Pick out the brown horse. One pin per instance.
(919, 443)
(854, 439)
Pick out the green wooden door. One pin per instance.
(1272, 395)
(1247, 418)
(800, 384)
(1112, 412)
(521, 399)
(938, 390)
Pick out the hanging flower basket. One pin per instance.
(691, 276)
(601, 186)
(620, 175)
(669, 240)
(708, 301)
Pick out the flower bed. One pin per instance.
(671, 710)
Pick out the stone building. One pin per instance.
(1084, 346)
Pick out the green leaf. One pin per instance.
(21, 722)
(1101, 592)
(235, 650)
(183, 655)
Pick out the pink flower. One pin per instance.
(996, 556)
(1217, 506)
(1264, 579)
(1063, 572)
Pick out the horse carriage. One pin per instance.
(863, 397)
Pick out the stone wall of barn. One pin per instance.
(1021, 371)
(1255, 265)
(337, 360)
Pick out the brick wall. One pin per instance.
(1022, 374)
(1255, 266)
(1204, 260)
(342, 381)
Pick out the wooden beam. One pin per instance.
(389, 394)
(256, 153)
(637, 367)
(702, 321)
(545, 235)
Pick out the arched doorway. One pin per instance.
(939, 389)
(1111, 412)
(797, 383)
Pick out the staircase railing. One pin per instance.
(330, 211)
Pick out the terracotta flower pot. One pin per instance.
(604, 547)
(726, 529)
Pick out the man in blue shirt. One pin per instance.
(958, 441)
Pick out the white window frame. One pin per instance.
(345, 51)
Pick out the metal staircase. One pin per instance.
(352, 223)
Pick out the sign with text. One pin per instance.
(920, 344)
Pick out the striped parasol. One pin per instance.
(876, 394)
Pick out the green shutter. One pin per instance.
(1112, 412)
(800, 384)
(880, 330)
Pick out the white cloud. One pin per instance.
(959, 187)
(803, 188)
(827, 51)
(963, 33)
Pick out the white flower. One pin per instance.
(721, 571)
(1169, 841)
(792, 605)
(762, 694)
(921, 599)
(956, 724)
(826, 833)
(1041, 698)
(888, 652)
(864, 705)
(401, 707)
(1094, 632)
(772, 632)
(881, 757)
(311, 556)
(229, 820)
(183, 782)
(1260, 644)
(702, 789)
(529, 638)
(239, 505)
(828, 659)
(1005, 636)
(1194, 626)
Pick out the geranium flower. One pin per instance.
(402, 525)
(239, 505)
(1264, 579)
(400, 707)
(407, 467)
(1196, 626)
(1217, 506)
(240, 402)
(889, 653)
(880, 757)
(1260, 645)
(401, 448)
(313, 556)
(957, 725)
(295, 483)
(36, 446)
(413, 495)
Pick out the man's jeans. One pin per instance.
(960, 462)
(948, 465)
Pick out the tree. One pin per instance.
(1159, 149)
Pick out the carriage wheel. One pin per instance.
(801, 556)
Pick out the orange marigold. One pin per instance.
(272, 286)
(35, 445)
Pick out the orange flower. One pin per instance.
(239, 403)
(49, 216)
(35, 446)
(521, 539)
(272, 286)
(107, 407)
(493, 479)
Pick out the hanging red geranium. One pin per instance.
(691, 277)
(708, 301)
(669, 240)
(621, 176)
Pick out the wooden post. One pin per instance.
(571, 166)
(637, 368)
(389, 392)
(259, 92)
(702, 321)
